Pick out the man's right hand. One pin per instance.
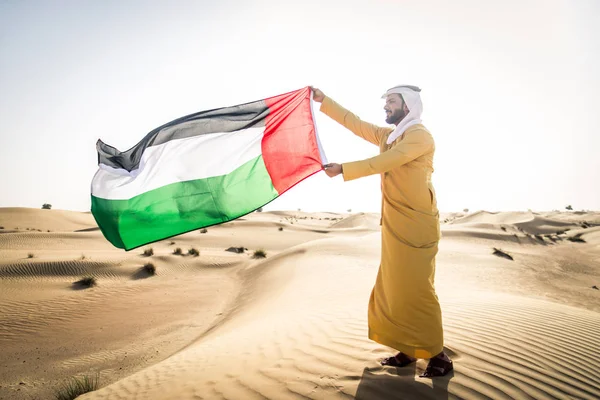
(318, 95)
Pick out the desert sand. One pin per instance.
(224, 325)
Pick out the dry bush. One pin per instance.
(86, 282)
(503, 254)
(149, 268)
(75, 387)
(260, 253)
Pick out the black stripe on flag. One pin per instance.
(227, 119)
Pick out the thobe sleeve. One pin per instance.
(369, 132)
(415, 144)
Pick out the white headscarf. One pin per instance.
(411, 97)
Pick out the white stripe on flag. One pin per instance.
(180, 160)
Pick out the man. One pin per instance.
(404, 312)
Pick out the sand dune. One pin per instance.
(531, 223)
(23, 219)
(361, 220)
(293, 325)
(486, 217)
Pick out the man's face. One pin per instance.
(395, 109)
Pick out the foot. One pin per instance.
(399, 360)
(439, 365)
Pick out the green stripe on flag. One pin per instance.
(184, 206)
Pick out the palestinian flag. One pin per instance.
(205, 169)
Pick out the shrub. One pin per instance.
(172, 243)
(87, 282)
(149, 268)
(280, 228)
(577, 238)
(148, 252)
(177, 251)
(203, 230)
(238, 250)
(500, 253)
(30, 255)
(193, 252)
(76, 387)
(260, 253)
(569, 208)
(46, 206)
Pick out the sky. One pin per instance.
(511, 89)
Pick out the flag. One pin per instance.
(205, 169)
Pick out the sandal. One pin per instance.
(437, 367)
(399, 360)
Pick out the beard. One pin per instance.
(395, 117)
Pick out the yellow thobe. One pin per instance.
(404, 311)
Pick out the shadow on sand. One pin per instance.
(401, 383)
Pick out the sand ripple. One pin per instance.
(302, 335)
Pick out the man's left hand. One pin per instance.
(333, 169)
